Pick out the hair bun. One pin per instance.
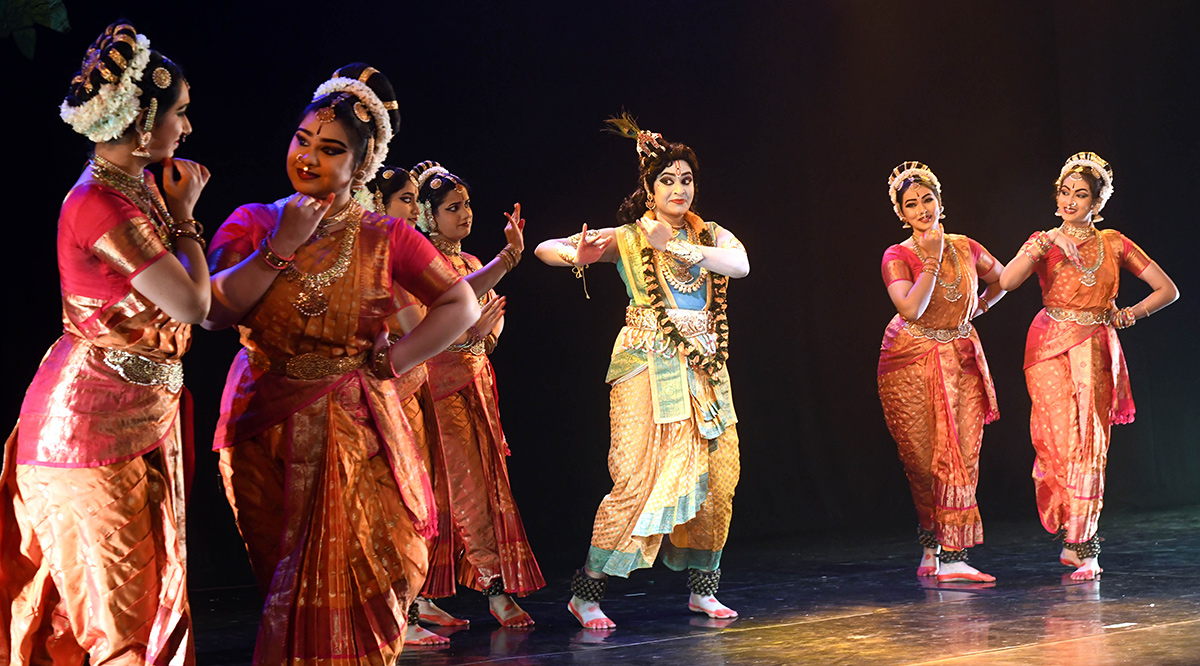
(379, 84)
(105, 61)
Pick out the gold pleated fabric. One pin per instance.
(1078, 384)
(937, 396)
(328, 535)
(667, 479)
(419, 409)
(92, 565)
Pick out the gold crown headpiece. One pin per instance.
(911, 171)
(1092, 163)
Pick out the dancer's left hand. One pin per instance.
(657, 233)
(514, 231)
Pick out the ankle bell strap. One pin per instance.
(587, 588)
(704, 583)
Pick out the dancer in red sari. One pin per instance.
(320, 464)
(1074, 367)
(92, 538)
(934, 382)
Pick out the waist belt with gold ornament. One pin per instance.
(308, 366)
(689, 322)
(137, 369)
(939, 334)
(1085, 317)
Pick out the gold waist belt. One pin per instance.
(142, 371)
(689, 322)
(939, 334)
(308, 366)
(1085, 317)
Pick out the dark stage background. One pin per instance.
(798, 111)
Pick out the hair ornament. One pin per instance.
(161, 78)
(113, 108)
(432, 171)
(1098, 167)
(361, 112)
(326, 115)
(387, 174)
(435, 184)
(367, 97)
(915, 172)
(425, 220)
(648, 143)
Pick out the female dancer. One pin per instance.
(92, 513)
(674, 452)
(487, 540)
(319, 462)
(1074, 367)
(933, 378)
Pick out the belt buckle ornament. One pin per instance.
(139, 370)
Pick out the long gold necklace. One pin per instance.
(139, 193)
(333, 220)
(952, 292)
(312, 300)
(1088, 279)
(679, 274)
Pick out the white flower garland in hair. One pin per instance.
(430, 173)
(383, 124)
(425, 221)
(105, 116)
(898, 179)
(1106, 181)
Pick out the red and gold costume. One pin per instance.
(487, 542)
(92, 509)
(1077, 381)
(319, 461)
(937, 392)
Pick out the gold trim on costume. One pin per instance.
(142, 371)
(938, 334)
(308, 366)
(689, 322)
(1085, 317)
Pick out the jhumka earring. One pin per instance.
(649, 201)
(144, 138)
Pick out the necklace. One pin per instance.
(678, 274)
(1078, 233)
(952, 292)
(312, 300)
(446, 247)
(333, 220)
(1088, 278)
(138, 192)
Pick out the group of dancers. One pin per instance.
(934, 382)
(359, 437)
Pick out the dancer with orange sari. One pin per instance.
(486, 546)
(673, 456)
(319, 462)
(92, 539)
(1074, 367)
(933, 378)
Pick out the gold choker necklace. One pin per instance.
(1078, 233)
(446, 247)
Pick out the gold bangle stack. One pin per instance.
(684, 253)
(1123, 318)
(381, 362)
(930, 266)
(196, 233)
(272, 258)
(566, 252)
(1040, 244)
(510, 257)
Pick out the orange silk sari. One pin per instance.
(1078, 382)
(937, 392)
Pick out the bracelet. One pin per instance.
(983, 305)
(194, 235)
(381, 362)
(510, 257)
(1123, 318)
(271, 257)
(685, 253)
(194, 222)
(1145, 308)
(566, 252)
(930, 266)
(489, 343)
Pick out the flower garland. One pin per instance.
(113, 108)
(711, 364)
(383, 124)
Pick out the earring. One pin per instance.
(144, 138)
(649, 201)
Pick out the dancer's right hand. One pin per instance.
(932, 242)
(1063, 243)
(298, 221)
(590, 249)
(489, 315)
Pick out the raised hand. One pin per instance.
(590, 248)
(1069, 250)
(932, 242)
(657, 233)
(514, 231)
(298, 221)
(183, 180)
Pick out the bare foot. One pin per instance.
(433, 615)
(505, 609)
(929, 563)
(417, 635)
(953, 572)
(1088, 570)
(710, 607)
(1069, 558)
(589, 614)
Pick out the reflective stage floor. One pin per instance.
(841, 599)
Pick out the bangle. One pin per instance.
(192, 221)
(685, 253)
(271, 257)
(1145, 308)
(566, 253)
(930, 266)
(510, 257)
(489, 343)
(381, 362)
(194, 235)
(983, 305)
(1123, 318)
